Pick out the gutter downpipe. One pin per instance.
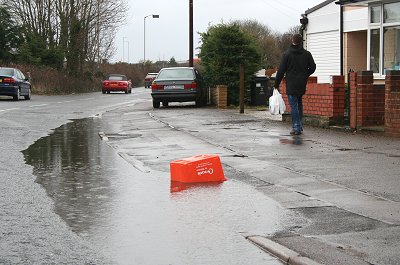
(303, 22)
(341, 41)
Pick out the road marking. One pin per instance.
(3, 110)
(41, 105)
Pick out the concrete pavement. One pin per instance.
(344, 185)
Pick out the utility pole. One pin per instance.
(144, 35)
(241, 92)
(191, 33)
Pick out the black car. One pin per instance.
(178, 84)
(14, 83)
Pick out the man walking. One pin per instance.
(298, 64)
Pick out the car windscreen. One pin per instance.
(6, 71)
(117, 78)
(176, 74)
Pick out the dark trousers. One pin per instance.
(296, 109)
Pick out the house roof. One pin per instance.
(338, 2)
(345, 2)
(312, 9)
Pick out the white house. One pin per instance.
(353, 35)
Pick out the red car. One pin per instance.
(116, 82)
(149, 79)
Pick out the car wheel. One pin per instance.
(126, 91)
(108, 92)
(17, 96)
(165, 103)
(103, 91)
(28, 97)
(156, 104)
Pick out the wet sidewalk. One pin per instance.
(344, 184)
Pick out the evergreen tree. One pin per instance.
(224, 48)
(10, 36)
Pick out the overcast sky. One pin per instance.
(168, 35)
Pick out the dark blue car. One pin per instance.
(14, 83)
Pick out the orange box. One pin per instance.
(195, 169)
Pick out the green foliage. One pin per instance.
(172, 62)
(10, 35)
(35, 51)
(224, 48)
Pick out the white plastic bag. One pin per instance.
(276, 103)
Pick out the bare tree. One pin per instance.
(83, 29)
(266, 40)
(285, 39)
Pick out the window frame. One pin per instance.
(381, 26)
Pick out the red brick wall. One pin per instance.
(367, 101)
(392, 103)
(325, 100)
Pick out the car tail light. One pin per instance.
(9, 80)
(122, 84)
(154, 86)
(192, 85)
(106, 83)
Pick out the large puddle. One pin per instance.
(133, 218)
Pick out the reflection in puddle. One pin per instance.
(128, 215)
(75, 170)
(296, 140)
(177, 186)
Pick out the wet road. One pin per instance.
(30, 231)
(133, 218)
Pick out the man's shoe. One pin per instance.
(295, 133)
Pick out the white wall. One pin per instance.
(355, 19)
(326, 18)
(323, 41)
(325, 48)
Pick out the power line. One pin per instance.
(282, 8)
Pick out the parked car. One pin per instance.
(14, 83)
(149, 79)
(178, 84)
(117, 82)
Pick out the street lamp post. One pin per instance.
(144, 35)
(191, 33)
(123, 49)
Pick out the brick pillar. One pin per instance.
(338, 96)
(392, 103)
(364, 100)
(353, 98)
(222, 96)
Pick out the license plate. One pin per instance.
(174, 87)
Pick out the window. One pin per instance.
(391, 46)
(391, 12)
(374, 50)
(384, 37)
(375, 15)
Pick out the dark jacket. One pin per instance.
(298, 64)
